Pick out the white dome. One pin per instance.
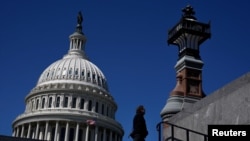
(73, 69)
(69, 93)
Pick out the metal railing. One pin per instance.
(172, 137)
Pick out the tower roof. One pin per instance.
(188, 34)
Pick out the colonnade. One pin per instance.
(55, 101)
(65, 131)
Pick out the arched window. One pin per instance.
(76, 71)
(93, 78)
(57, 101)
(98, 80)
(107, 111)
(66, 101)
(88, 74)
(82, 103)
(43, 102)
(37, 103)
(82, 72)
(32, 105)
(102, 109)
(96, 107)
(64, 71)
(50, 102)
(70, 71)
(74, 102)
(90, 105)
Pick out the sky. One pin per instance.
(126, 39)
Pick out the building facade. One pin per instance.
(71, 100)
(228, 105)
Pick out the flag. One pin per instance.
(90, 122)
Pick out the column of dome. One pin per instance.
(68, 130)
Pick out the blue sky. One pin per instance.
(126, 40)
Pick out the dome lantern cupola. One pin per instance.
(77, 40)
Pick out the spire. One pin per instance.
(77, 40)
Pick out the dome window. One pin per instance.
(50, 102)
(98, 80)
(96, 107)
(90, 105)
(76, 71)
(32, 105)
(94, 79)
(102, 109)
(43, 102)
(107, 111)
(88, 74)
(66, 100)
(70, 71)
(58, 101)
(64, 71)
(82, 72)
(82, 103)
(37, 103)
(74, 102)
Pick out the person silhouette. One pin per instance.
(139, 132)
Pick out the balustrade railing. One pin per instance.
(173, 136)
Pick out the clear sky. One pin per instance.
(126, 40)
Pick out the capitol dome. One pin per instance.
(71, 100)
(74, 69)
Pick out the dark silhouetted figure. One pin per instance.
(139, 132)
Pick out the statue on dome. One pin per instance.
(79, 18)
